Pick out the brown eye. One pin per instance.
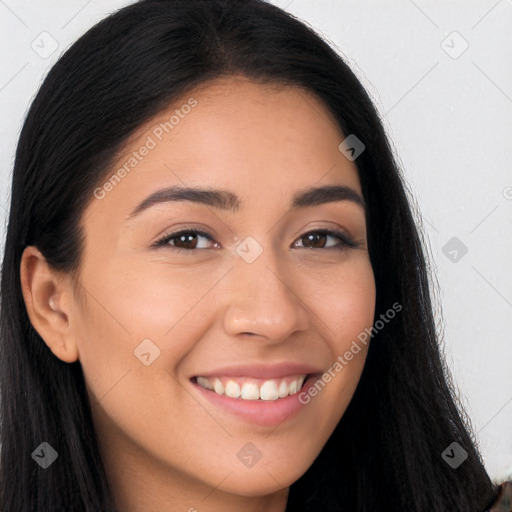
(314, 240)
(318, 240)
(186, 240)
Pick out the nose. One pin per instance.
(264, 300)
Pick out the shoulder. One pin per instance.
(503, 502)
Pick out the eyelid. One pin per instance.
(164, 239)
(347, 242)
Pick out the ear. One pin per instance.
(48, 296)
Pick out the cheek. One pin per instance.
(126, 306)
(129, 303)
(346, 304)
(345, 301)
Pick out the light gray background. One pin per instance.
(449, 115)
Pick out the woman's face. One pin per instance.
(263, 298)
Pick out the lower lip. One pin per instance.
(266, 413)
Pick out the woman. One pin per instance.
(214, 295)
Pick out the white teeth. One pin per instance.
(232, 389)
(204, 382)
(250, 391)
(283, 389)
(218, 386)
(271, 389)
(268, 390)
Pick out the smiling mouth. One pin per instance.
(246, 388)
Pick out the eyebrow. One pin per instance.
(226, 200)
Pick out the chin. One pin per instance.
(260, 480)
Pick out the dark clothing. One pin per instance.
(503, 502)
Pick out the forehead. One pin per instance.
(263, 141)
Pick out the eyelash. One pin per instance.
(346, 241)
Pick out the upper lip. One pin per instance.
(262, 370)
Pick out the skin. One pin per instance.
(164, 446)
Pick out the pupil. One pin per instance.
(314, 237)
(188, 240)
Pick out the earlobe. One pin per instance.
(47, 294)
